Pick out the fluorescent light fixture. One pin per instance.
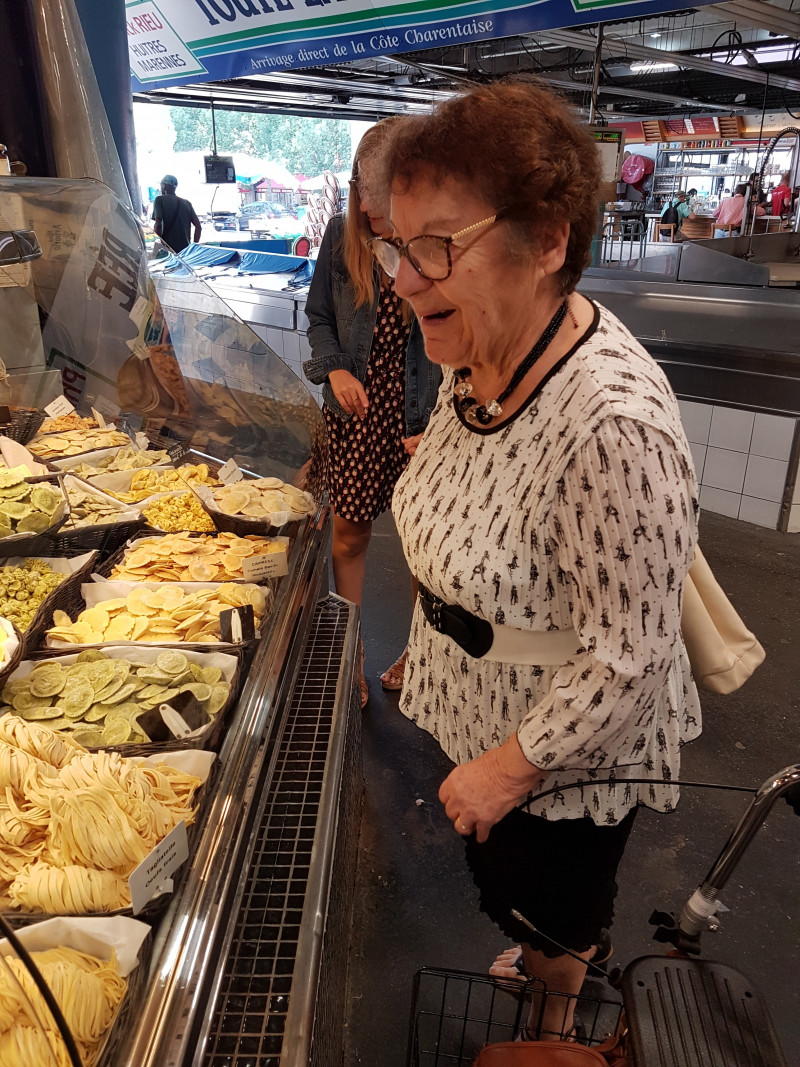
(645, 65)
(655, 35)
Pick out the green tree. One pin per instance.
(304, 145)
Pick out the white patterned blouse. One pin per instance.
(579, 511)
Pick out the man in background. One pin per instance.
(172, 216)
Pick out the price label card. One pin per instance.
(140, 310)
(106, 406)
(229, 473)
(259, 568)
(60, 406)
(98, 418)
(177, 452)
(155, 869)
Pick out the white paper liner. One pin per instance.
(94, 935)
(17, 455)
(96, 592)
(125, 512)
(12, 642)
(56, 563)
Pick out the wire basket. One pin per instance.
(455, 1013)
(24, 425)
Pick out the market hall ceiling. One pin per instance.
(731, 58)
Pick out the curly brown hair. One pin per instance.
(518, 147)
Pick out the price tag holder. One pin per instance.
(230, 472)
(60, 406)
(177, 452)
(140, 310)
(154, 872)
(258, 568)
(237, 625)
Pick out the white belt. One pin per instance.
(536, 648)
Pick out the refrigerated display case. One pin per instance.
(93, 310)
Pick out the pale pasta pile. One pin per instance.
(74, 824)
(87, 990)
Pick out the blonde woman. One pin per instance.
(378, 387)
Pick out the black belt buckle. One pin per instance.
(473, 634)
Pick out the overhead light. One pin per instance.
(653, 66)
(654, 35)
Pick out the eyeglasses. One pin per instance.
(428, 255)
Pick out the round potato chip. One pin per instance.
(97, 618)
(210, 675)
(202, 570)
(78, 698)
(199, 690)
(120, 627)
(47, 680)
(255, 510)
(116, 732)
(270, 483)
(137, 603)
(218, 699)
(15, 510)
(172, 663)
(12, 476)
(45, 498)
(89, 655)
(36, 522)
(232, 503)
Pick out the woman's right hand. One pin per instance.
(349, 391)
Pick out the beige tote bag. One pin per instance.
(722, 651)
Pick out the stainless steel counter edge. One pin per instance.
(298, 1032)
(197, 912)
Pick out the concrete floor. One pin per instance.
(415, 903)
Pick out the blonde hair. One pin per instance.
(358, 259)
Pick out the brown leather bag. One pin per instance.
(539, 1054)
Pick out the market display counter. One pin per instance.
(212, 441)
(722, 317)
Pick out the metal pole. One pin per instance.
(596, 76)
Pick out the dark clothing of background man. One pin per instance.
(172, 216)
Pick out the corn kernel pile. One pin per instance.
(22, 590)
(180, 512)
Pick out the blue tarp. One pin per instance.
(269, 263)
(208, 255)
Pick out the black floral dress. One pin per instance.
(365, 458)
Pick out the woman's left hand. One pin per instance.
(410, 443)
(478, 794)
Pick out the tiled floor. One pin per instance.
(415, 903)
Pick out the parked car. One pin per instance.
(262, 210)
(224, 220)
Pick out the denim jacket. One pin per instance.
(340, 335)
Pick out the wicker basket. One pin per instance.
(11, 664)
(24, 425)
(29, 544)
(208, 740)
(74, 604)
(154, 908)
(106, 568)
(59, 599)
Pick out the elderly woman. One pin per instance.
(549, 514)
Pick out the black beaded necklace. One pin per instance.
(475, 412)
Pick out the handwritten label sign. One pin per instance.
(155, 869)
(140, 310)
(98, 418)
(177, 452)
(229, 473)
(60, 406)
(259, 568)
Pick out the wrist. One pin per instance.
(513, 773)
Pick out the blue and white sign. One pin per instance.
(172, 42)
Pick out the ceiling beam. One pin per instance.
(586, 41)
(760, 15)
(630, 92)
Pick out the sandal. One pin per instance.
(392, 680)
(603, 953)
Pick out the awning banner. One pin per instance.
(173, 42)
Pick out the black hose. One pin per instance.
(45, 990)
